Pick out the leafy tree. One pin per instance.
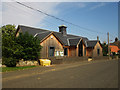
(8, 29)
(10, 49)
(25, 46)
(31, 46)
(105, 49)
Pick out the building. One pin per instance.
(63, 44)
(115, 46)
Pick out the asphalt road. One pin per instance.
(95, 74)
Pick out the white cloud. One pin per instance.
(13, 13)
(97, 6)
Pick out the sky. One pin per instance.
(95, 18)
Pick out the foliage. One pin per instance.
(8, 29)
(10, 49)
(105, 49)
(9, 62)
(31, 46)
(25, 46)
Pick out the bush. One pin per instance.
(25, 46)
(105, 49)
(9, 62)
(31, 46)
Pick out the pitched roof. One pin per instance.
(31, 30)
(74, 41)
(42, 35)
(91, 43)
(68, 40)
(117, 43)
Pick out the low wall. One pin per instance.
(27, 63)
(61, 60)
(101, 58)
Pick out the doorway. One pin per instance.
(51, 51)
(80, 50)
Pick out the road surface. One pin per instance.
(94, 74)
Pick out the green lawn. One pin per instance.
(6, 69)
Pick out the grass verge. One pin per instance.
(6, 69)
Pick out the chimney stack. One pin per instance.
(98, 38)
(116, 39)
(62, 29)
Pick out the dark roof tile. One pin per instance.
(74, 42)
(91, 43)
(41, 33)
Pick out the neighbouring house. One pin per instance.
(115, 46)
(63, 44)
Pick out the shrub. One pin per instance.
(9, 62)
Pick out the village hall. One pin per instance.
(62, 44)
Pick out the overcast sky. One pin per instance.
(95, 16)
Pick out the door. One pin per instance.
(51, 51)
(80, 51)
(65, 51)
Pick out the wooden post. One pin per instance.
(108, 46)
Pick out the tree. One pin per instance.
(8, 29)
(105, 49)
(31, 46)
(10, 49)
(25, 46)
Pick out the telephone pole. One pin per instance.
(108, 45)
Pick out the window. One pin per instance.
(65, 51)
(98, 52)
(59, 53)
(51, 51)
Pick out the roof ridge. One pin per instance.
(48, 30)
